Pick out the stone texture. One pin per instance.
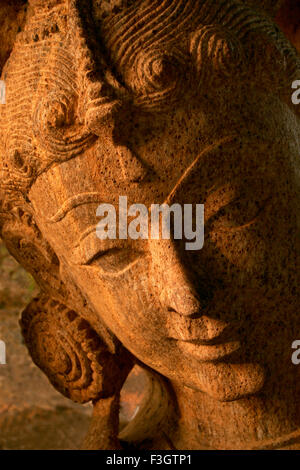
(162, 101)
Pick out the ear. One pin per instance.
(12, 19)
(70, 352)
(78, 363)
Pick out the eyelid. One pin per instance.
(73, 202)
(215, 202)
(251, 219)
(90, 246)
(220, 196)
(86, 233)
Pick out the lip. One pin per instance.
(202, 330)
(205, 339)
(208, 352)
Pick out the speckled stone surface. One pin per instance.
(185, 102)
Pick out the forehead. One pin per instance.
(227, 162)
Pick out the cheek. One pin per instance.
(128, 306)
(125, 302)
(244, 249)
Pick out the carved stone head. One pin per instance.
(184, 102)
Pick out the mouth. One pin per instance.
(205, 339)
(208, 352)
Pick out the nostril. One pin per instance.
(182, 301)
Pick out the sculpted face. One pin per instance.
(191, 119)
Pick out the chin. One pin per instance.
(228, 382)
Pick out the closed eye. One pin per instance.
(238, 205)
(111, 256)
(72, 203)
(238, 214)
(114, 261)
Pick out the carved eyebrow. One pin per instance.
(72, 203)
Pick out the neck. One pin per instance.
(247, 423)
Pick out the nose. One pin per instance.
(171, 279)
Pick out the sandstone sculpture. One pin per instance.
(183, 101)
